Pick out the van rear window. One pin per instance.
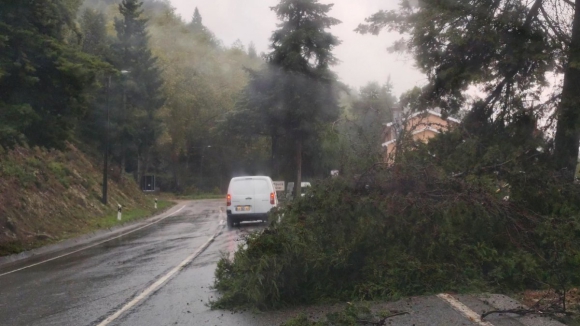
(249, 187)
(261, 187)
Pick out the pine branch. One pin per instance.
(534, 11)
(560, 36)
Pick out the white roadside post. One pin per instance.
(155, 203)
(119, 212)
(279, 187)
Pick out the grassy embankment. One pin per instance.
(50, 196)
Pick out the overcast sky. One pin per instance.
(364, 58)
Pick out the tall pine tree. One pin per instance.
(141, 96)
(197, 21)
(201, 32)
(302, 51)
(94, 30)
(252, 53)
(296, 94)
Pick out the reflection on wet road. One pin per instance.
(86, 287)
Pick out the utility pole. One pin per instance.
(106, 156)
(107, 128)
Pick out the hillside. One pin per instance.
(50, 195)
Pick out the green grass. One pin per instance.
(105, 222)
(13, 248)
(201, 196)
(130, 215)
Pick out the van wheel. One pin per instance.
(231, 222)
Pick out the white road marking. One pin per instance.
(222, 222)
(93, 245)
(463, 309)
(155, 286)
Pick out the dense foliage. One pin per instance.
(70, 70)
(507, 50)
(459, 214)
(138, 120)
(166, 110)
(355, 140)
(175, 101)
(43, 75)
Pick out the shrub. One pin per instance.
(404, 230)
(18, 171)
(479, 208)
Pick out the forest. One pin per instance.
(167, 98)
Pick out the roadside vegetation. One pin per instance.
(468, 212)
(49, 196)
(130, 215)
(201, 196)
(414, 231)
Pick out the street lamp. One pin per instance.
(106, 164)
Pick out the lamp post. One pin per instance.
(106, 165)
(106, 156)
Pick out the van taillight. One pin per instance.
(272, 198)
(229, 199)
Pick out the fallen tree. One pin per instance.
(415, 227)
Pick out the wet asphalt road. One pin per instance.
(91, 286)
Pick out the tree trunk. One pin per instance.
(298, 168)
(124, 120)
(568, 127)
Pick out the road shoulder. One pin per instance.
(77, 243)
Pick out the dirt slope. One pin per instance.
(46, 196)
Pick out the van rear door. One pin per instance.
(242, 192)
(262, 190)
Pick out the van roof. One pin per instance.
(251, 177)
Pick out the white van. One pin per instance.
(250, 199)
